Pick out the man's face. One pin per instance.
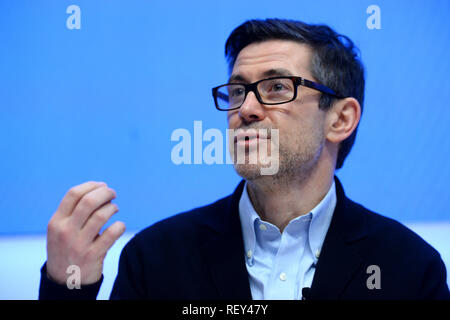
(300, 122)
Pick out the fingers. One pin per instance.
(108, 237)
(74, 195)
(97, 220)
(72, 236)
(90, 203)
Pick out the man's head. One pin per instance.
(260, 49)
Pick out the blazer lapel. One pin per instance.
(340, 258)
(339, 262)
(223, 253)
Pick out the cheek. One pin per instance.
(303, 130)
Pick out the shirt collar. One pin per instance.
(248, 218)
(318, 227)
(321, 219)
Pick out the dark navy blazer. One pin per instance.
(199, 254)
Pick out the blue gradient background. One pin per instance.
(100, 103)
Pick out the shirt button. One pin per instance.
(283, 276)
(249, 254)
(317, 253)
(262, 227)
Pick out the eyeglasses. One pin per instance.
(270, 91)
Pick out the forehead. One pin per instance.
(256, 58)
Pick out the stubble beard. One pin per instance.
(296, 162)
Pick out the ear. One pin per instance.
(342, 119)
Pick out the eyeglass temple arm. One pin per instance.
(221, 95)
(321, 88)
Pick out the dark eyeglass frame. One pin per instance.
(252, 87)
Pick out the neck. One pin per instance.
(278, 200)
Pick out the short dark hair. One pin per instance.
(335, 60)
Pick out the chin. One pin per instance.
(248, 171)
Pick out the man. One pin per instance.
(289, 235)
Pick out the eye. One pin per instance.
(236, 92)
(278, 86)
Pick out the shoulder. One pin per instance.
(392, 238)
(384, 235)
(405, 259)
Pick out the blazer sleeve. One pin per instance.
(50, 290)
(434, 284)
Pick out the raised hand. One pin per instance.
(73, 232)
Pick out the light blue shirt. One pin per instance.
(279, 265)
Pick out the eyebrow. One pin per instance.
(277, 72)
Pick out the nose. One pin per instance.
(251, 110)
